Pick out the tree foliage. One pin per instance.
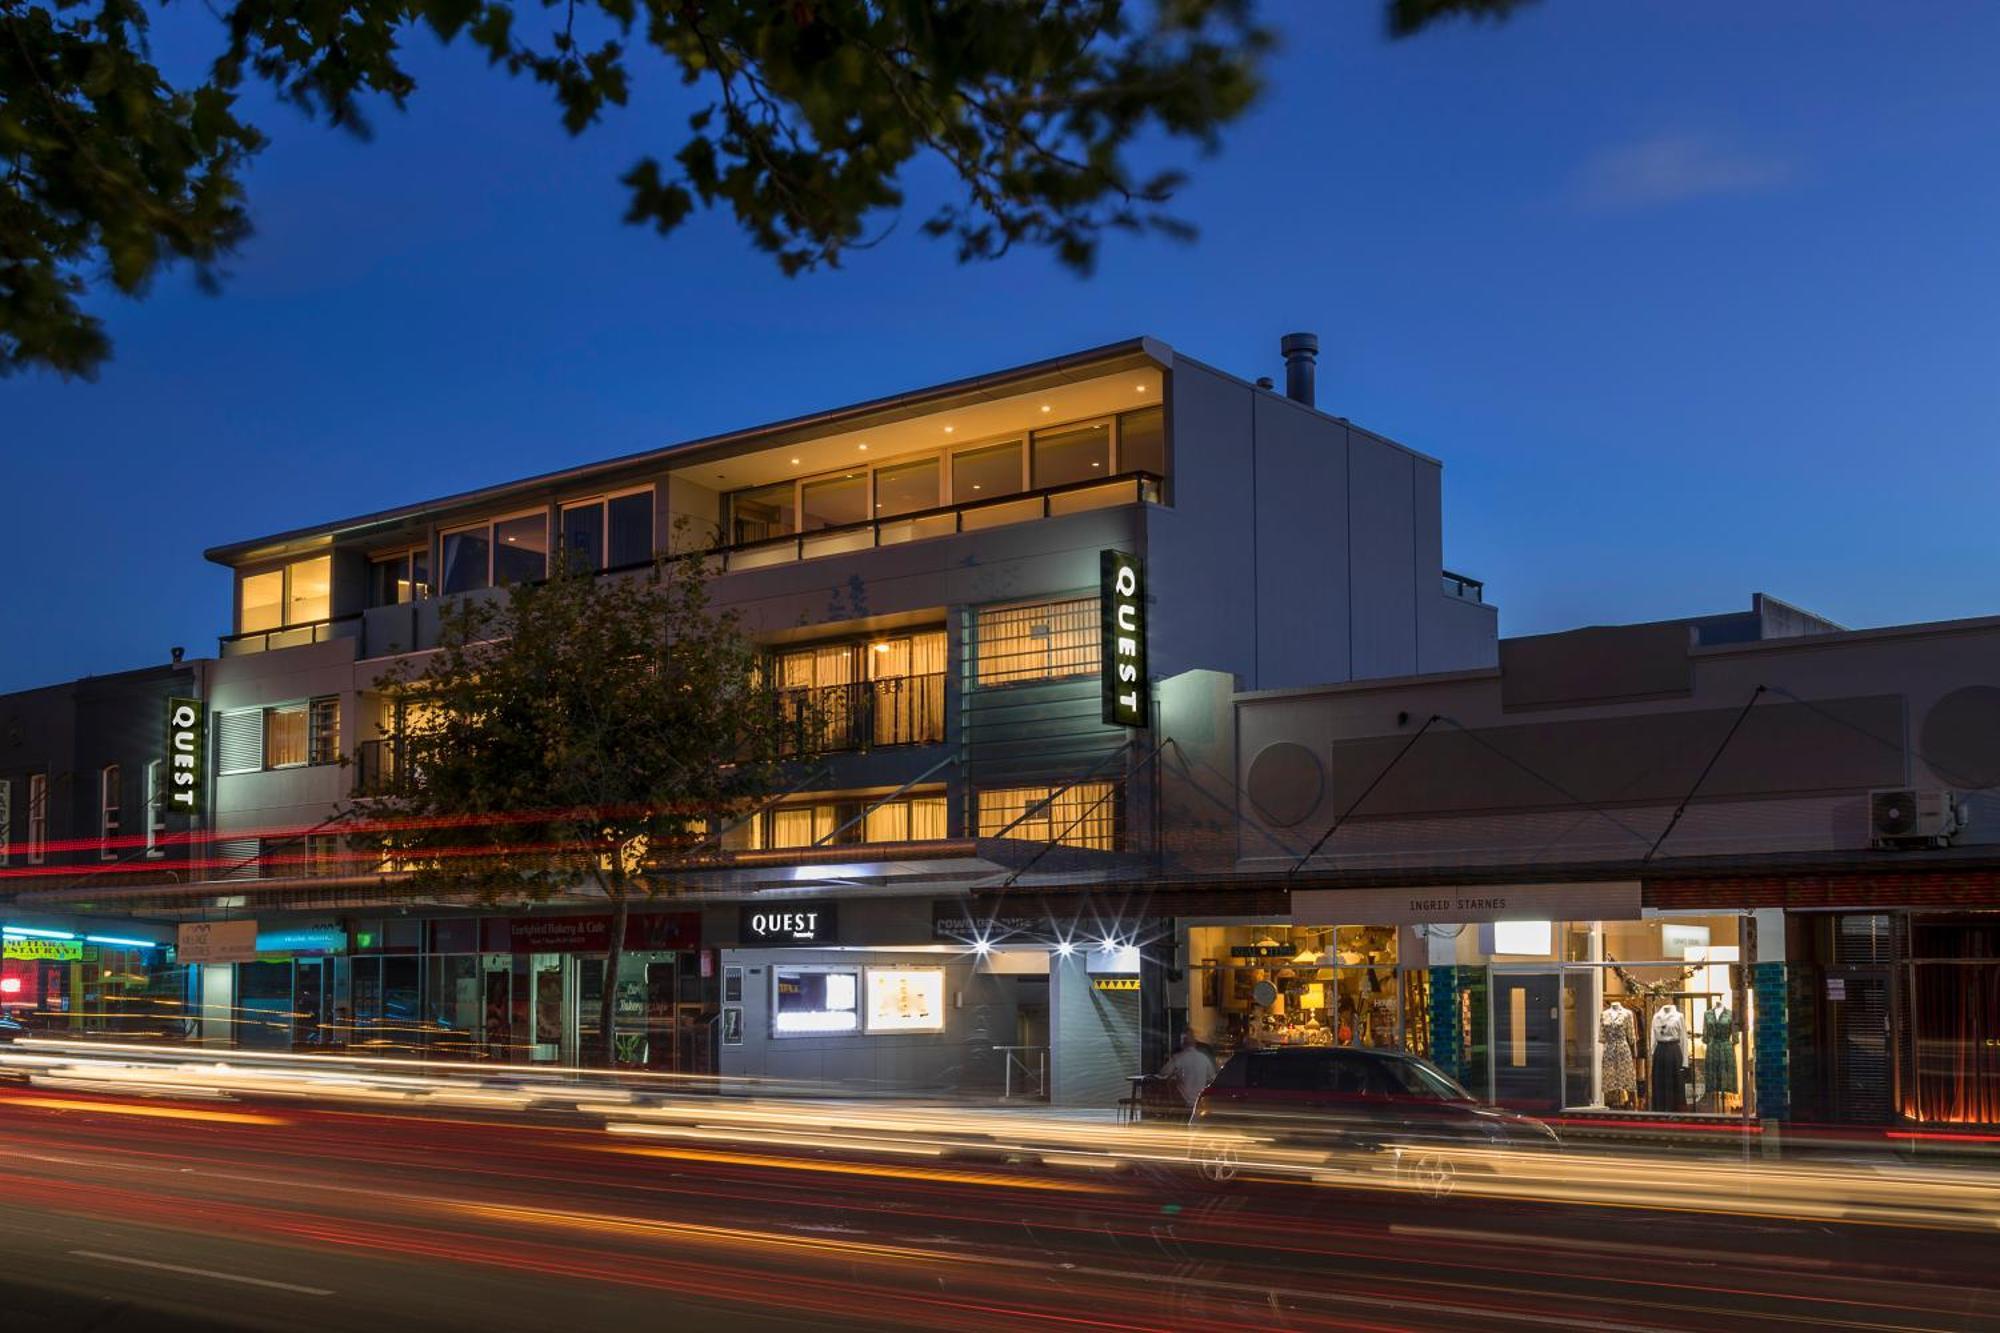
(577, 734)
(810, 113)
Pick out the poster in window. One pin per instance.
(906, 999)
(732, 1026)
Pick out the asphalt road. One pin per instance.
(157, 1215)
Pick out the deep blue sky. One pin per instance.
(1693, 299)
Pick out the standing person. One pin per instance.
(1190, 1070)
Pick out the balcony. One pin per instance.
(945, 521)
(291, 636)
(1463, 588)
(864, 715)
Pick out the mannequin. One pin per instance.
(1718, 1035)
(1670, 1057)
(1619, 1034)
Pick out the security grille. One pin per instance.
(1041, 641)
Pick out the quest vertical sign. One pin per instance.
(185, 755)
(1122, 660)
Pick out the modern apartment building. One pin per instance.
(928, 571)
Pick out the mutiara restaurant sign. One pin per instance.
(184, 755)
(1122, 651)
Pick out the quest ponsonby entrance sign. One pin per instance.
(781, 923)
(1122, 651)
(185, 752)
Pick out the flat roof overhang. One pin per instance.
(1066, 369)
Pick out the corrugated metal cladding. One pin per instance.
(1032, 734)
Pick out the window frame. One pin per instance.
(156, 807)
(1087, 605)
(110, 809)
(38, 818)
(407, 555)
(283, 569)
(488, 526)
(944, 457)
(602, 501)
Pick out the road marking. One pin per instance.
(202, 1272)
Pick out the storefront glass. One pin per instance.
(1646, 1015)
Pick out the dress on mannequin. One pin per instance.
(1669, 1033)
(1618, 1031)
(1718, 1035)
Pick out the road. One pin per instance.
(135, 1213)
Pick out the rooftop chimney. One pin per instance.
(1301, 355)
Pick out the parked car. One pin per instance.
(1352, 1100)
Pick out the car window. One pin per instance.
(1284, 1072)
(1350, 1075)
(1413, 1078)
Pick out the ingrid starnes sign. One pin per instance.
(1122, 650)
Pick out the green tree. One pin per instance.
(809, 113)
(580, 732)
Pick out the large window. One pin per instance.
(289, 735)
(294, 594)
(1036, 641)
(1077, 453)
(904, 488)
(834, 502)
(611, 533)
(507, 550)
(982, 474)
(767, 511)
(1142, 441)
(850, 696)
(404, 576)
(1082, 815)
(110, 806)
(807, 1000)
(848, 822)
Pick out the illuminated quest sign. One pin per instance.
(184, 755)
(1122, 653)
(790, 923)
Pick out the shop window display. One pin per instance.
(1296, 986)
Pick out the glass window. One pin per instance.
(1079, 453)
(1082, 815)
(156, 808)
(981, 474)
(631, 518)
(465, 560)
(906, 487)
(263, 601)
(834, 502)
(309, 590)
(325, 729)
(285, 736)
(38, 817)
(389, 580)
(767, 511)
(521, 549)
(815, 1001)
(583, 537)
(420, 573)
(1142, 441)
(906, 999)
(109, 806)
(1039, 641)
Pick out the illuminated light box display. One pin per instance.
(906, 999)
(815, 1001)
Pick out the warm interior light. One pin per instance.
(795, 462)
(949, 429)
(1045, 407)
(879, 647)
(862, 447)
(1140, 388)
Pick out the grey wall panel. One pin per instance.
(1380, 508)
(1781, 749)
(1201, 553)
(1304, 573)
(1596, 665)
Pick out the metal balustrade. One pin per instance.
(864, 714)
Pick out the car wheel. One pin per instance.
(1215, 1158)
(1428, 1172)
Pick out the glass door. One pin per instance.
(1527, 1057)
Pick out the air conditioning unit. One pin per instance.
(1904, 817)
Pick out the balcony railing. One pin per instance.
(1463, 588)
(291, 636)
(946, 520)
(864, 715)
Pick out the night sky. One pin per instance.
(1693, 300)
